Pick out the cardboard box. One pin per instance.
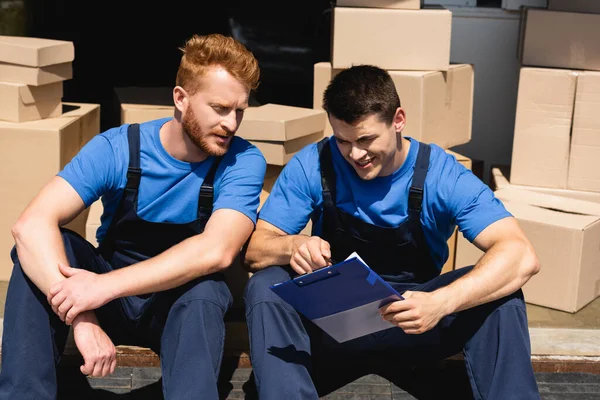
(31, 153)
(578, 6)
(280, 153)
(138, 113)
(93, 221)
(401, 4)
(565, 234)
(392, 39)
(567, 244)
(561, 40)
(584, 161)
(438, 105)
(543, 127)
(275, 122)
(35, 52)
(35, 76)
(21, 103)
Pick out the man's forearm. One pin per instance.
(40, 248)
(190, 259)
(504, 268)
(267, 248)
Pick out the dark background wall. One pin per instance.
(132, 43)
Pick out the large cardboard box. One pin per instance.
(276, 122)
(280, 153)
(438, 105)
(543, 127)
(565, 234)
(584, 161)
(31, 153)
(35, 76)
(392, 39)
(35, 52)
(560, 40)
(21, 103)
(401, 4)
(579, 6)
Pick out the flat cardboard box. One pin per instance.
(280, 153)
(35, 52)
(543, 127)
(138, 113)
(31, 153)
(399, 4)
(560, 40)
(438, 105)
(35, 76)
(584, 160)
(417, 40)
(276, 122)
(577, 6)
(21, 103)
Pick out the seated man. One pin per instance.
(180, 199)
(395, 202)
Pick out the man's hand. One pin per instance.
(418, 313)
(81, 291)
(312, 254)
(98, 351)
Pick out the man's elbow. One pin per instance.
(20, 228)
(530, 262)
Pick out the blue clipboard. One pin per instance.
(342, 299)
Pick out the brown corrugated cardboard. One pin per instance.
(280, 153)
(561, 40)
(501, 183)
(138, 113)
(93, 221)
(392, 39)
(543, 127)
(35, 52)
(579, 6)
(401, 4)
(35, 76)
(565, 242)
(438, 105)
(20, 103)
(31, 153)
(567, 247)
(275, 122)
(584, 162)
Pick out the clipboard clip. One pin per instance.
(315, 276)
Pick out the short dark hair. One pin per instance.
(359, 92)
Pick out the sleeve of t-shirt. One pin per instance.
(241, 184)
(92, 171)
(290, 204)
(474, 206)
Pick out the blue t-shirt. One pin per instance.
(169, 187)
(452, 196)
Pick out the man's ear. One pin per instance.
(399, 119)
(180, 98)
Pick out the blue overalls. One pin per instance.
(184, 325)
(493, 337)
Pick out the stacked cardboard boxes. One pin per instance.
(38, 133)
(32, 72)
(554, 188)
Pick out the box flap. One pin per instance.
(35, 52)
(276, 122)
(500, 180)
(527, 212)
(53, 124)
